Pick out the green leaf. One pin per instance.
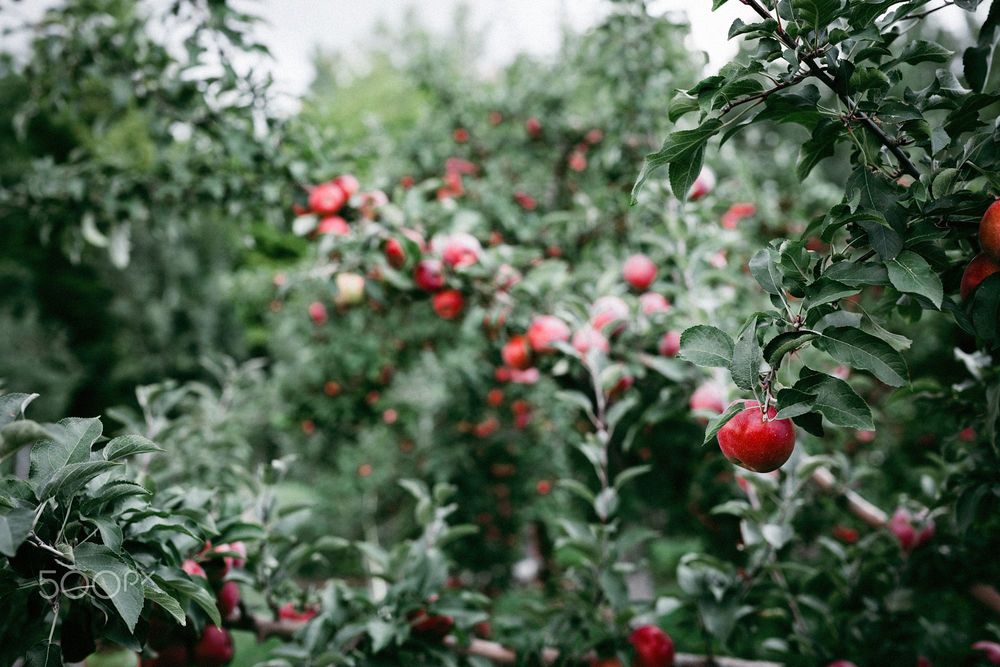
(16, 435)
(129, 445)
(111, 532)
(73, 477)
(683, 148)
(921, 51)
(816, 14)
(71, 442)
(764, 269)
(837, 401)
(747, 357)
(707, 346)
(821, 145)
(826, 290)
(192, 590)
(910, 273)
(793, 403)
(857, 273)
(152, 592)
(12, 407)
(861, 350)
(783, 343)
(716, 424)
(381, 632)
(119, 581)
(15, 524)
(629, 474)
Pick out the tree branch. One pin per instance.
(891, 145)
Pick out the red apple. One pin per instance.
(317, 313)
(348, 184)
(228, 599)
(546, 330)
(333, 224)
(193, 569)
(214, 649)
(589, 338)
(911, 531)
(639, 271)
(431, 626)
(289, 612)
(525, 201)
(702, 185)
(577, 161)
(394, 253)
(608, 310)
(651, 303)
(534, 127)
(516, 352)
(751, 442)
(429, 275)
(327, 198)
(991, 649)
(841, 663)
(371, 202)
(707, 396)
(978, 270)
(486, 428)
(448, 303)
(461, 135)
(845, 534)
(989, 231)
(736, 213)
(653, 647)
(494, 397)
(457, 250)
(670, 344)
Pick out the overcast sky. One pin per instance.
(294, 28)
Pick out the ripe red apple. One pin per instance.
(978, 270)
(911, 531)
(516, 352)
(327, 198)
(371, 202)
(702, 185)
(653, 647)
(737, 212)
(707, 396)
(639, 271)
(348, 184)
(991, 649)
(589, 338)
(577, 161)
(989, 231)
(841, 663)
(429, 275)
(461, 135)
(494, 397)
(653, 302)
(457, 250)
(289, 612)
(333, 224)
(448, 303)
(228, 599)
(350, 289)
(546, 330)
(486, 428)
(845, 534)
(394, 253)
(525, 201)
(430, 626)
(609, 310)
(751, 442)
(317, 313)
(214, 649)
(534, 127)
(670, 344)
(193, 569)
(495, 117)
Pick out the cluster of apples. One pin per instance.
(987, 262)
(173, 647)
